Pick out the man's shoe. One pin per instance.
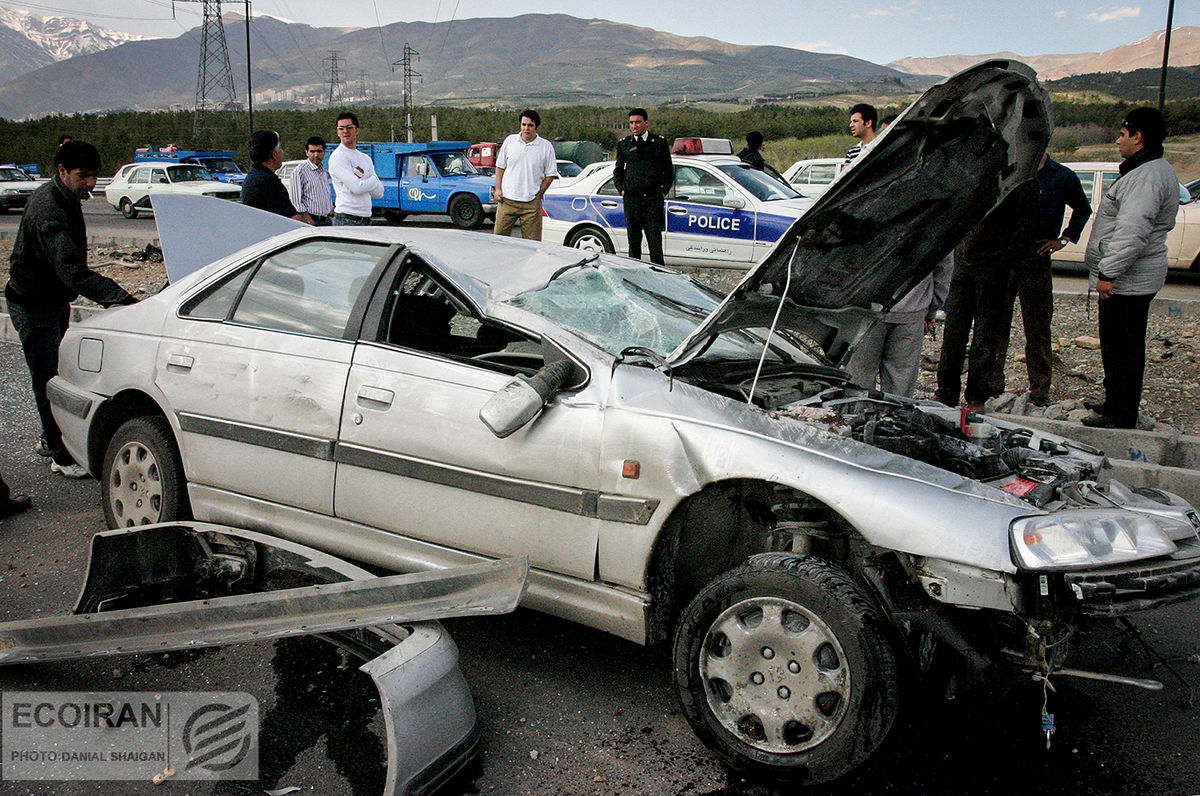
(1039, 400)
(1097, 420)
(1095, 406)
(71, 470)
(15, 504)
(42, 448)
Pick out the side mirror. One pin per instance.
(519, 401)
(735, 202)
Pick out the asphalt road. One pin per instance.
(564, 709)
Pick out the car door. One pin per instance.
(1094, 182)
(139, 186)
(610, 206)
(420, 186)
(700, 229)
(254, 368)
(414, 457)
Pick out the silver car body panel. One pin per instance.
(428, 711)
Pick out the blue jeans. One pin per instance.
(41, 331)
(350, 221)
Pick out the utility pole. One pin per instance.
(335, 79)
(410, 55)
(364, 87)
(1162, 79)
(214, 82)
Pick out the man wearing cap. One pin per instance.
(1127, 262)
(47, 271)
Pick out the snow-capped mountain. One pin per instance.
(28, 42)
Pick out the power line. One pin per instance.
(335, 78)
(409, 73)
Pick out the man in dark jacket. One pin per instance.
(1058, 188)
(262, 188)
(47, 271)
(644, 176)
(978, 292)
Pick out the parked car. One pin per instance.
(16, 186)
(134, 185)
(720, 211)
(675, 464)
(285, 171)
(813, 177)
(1183, 242)
(568, 168)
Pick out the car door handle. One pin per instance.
(375, 397)
(679, 211)
(180, 362)
(608, 203)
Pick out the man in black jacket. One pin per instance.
(47, 271)
(644, 175)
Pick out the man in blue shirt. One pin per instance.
(1058, 189)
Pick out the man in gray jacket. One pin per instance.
(1127, 262)
(891, 350)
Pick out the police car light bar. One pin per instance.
(691, 145)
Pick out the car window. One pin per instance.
(140, 176)
(417, 166)
(609, 188)
(1108, 179)
(822, 174)
(189, 173)
(214, 303)
(694, 184)
(454, 163)
(801, 175)
(425, 316)
(568, 169)
(14, 175)
(308, 289)
(158, 177)
(763, 186)
(1087, 179)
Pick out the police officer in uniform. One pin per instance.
(644, 176)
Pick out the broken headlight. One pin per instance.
(1089, 538)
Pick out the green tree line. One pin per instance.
(117, 134)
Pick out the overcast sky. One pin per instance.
(876, 31)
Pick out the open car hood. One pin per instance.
(945, 163)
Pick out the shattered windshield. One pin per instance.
(617, 307)
(764, 187)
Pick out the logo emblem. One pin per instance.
(216, 737)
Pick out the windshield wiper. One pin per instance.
(589, 260)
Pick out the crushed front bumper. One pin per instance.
(1136, 587)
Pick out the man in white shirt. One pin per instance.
(525, 167)
(353, 175)
(309, 186)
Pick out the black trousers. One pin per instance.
(1123, 352)
(1034, 284)
(41, 330)
(644, 214)
(975, 309)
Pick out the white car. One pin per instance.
(1183, 242)
(285, 171)
(720, 212)
(133, 186)
(16, 186)
(813, 177)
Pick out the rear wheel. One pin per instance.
(784, 669)
(141, 479)
(591, 239)
(393, 216)
(466, 212)
(127, 208)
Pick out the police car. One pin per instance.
(720, 212)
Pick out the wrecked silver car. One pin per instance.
(677, 465)
(188, 585)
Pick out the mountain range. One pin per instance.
(62, 65)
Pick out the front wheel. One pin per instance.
(466, 212)
(127, 208)
(590, 239)
(783, 668)
(141, 479)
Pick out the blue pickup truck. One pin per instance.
(431, 178)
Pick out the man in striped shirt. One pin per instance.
(309, 189)
(863, 121)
